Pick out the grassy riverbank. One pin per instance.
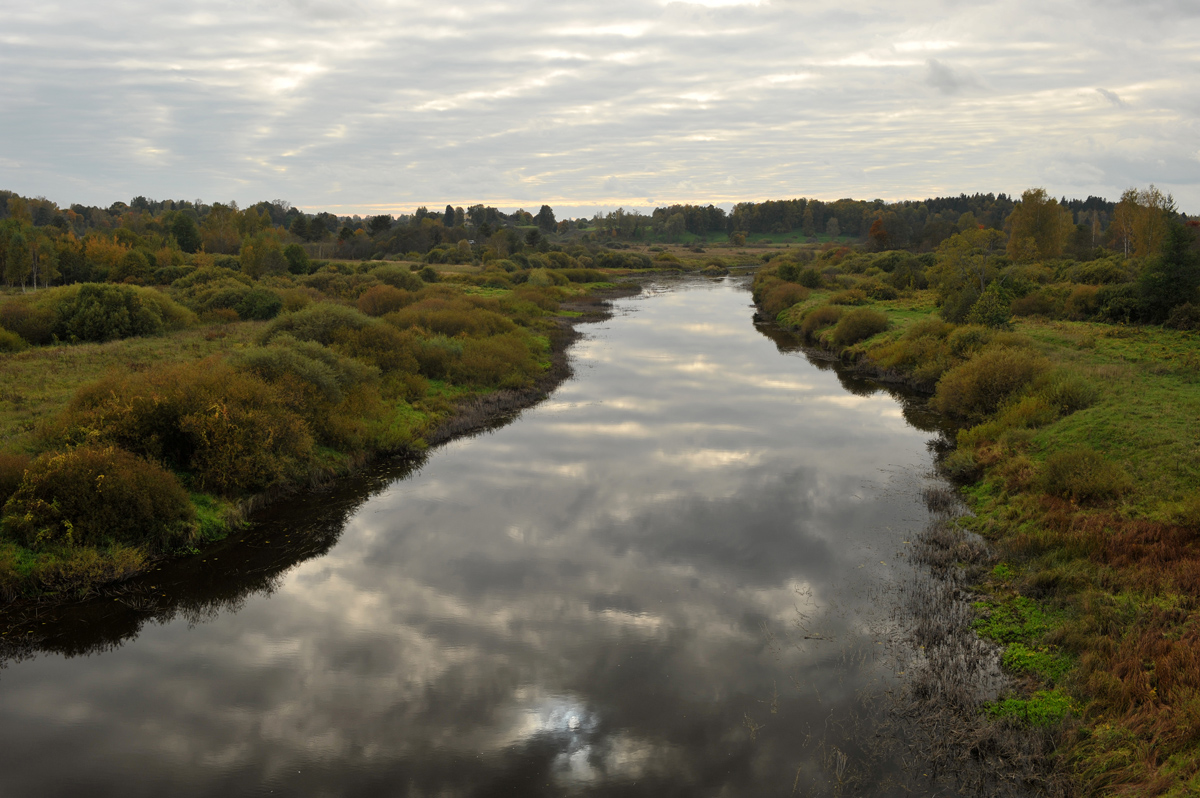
(157, 436)
(1079, 457)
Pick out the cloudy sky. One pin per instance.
(377, 106)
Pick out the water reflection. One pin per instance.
(668, 579)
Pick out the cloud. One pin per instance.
(945, 79)
(1112, 97)
(713, 102)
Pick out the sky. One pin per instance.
(379, 106)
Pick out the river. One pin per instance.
(676, 576)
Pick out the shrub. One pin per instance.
(230, 429)
(34, 323)
(781, 297)
(809, 278)
(819, 318)
(1082, 474)
(854, 296)
(501, 361)
(450, 317)
(1082, 303)
(381, 345)
(259, 304)
(297, 259)
(543, 297)
(981, 385)
(379, 300)
(12, 471)
(858, 325)
(1068, 393)
(1036, 304)
(964, 341)
(11, 342)
(397, 277)
(98, 496)
(878, 290)
(318, 322)
(99, 312)
(305, 361)
(1184, 317)
(436, 354)
(428, 274)
(992, 308)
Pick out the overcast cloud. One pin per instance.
(374, 106)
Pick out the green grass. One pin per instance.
(36, 384)
(1043, 708)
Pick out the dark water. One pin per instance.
(674, 577)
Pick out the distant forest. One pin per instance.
(44, 244)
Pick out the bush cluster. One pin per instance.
(89, 496)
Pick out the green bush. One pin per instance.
(259, 304)
(818, 319)
(1083, 475)
(95, 497)
(1184, 317)
(297, 259)
(309, 362)
(99, 312)
(397, 277)
(858, 325)
(320, 322)
(11, 342)
(982, 384)
(809, 278)
(437, 354)
(428, 274)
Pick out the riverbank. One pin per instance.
(1079, 460)
(184, 435)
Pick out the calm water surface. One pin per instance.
(673, 577)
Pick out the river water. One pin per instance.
(676, 576)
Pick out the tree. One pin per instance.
(1040, 219)
(448, 216)
(966, 263)
(187, 235)
(832, 228)
(675, 226)
(1172, 278)
(878, 235)
(808, 224)
(18, 264)
(382, 223)
(299, 227)
(545, 219)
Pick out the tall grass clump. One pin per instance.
(1083, 475)
(379, 300)
(781, 297)
(229, 431)
(818, 319)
